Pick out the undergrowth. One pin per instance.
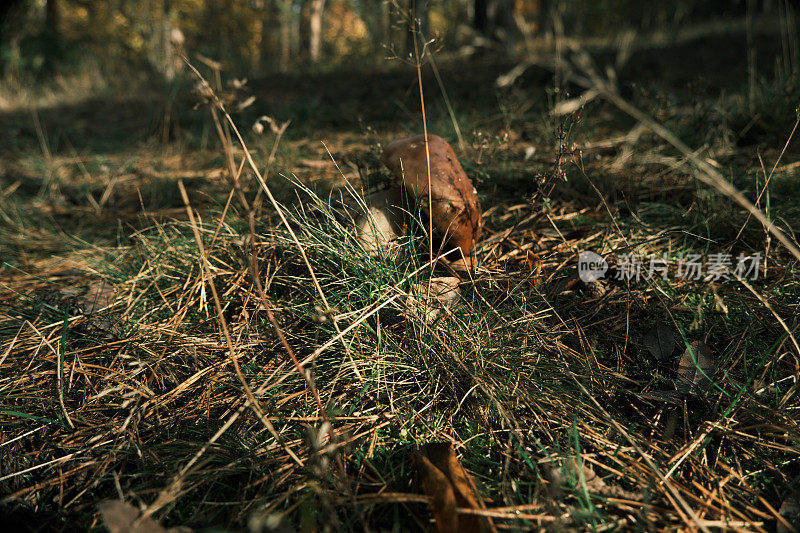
(538, 379)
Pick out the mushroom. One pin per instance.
(455, 210)
(381, 224)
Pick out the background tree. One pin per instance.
(121, 37)
(494, 19)
(51, 36)
(287, 32)
(315, 30)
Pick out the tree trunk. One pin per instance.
(214, 25)
(303, 35)
(285, 8)
(494, 19)
(51, 35)
(52, 16)
(377, 18)
(545, 19)
(169, 44)
(480, 20)
(315, 30)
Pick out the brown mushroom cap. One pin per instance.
(455, 210)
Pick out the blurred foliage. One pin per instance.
(38, 37)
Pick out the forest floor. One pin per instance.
(132, 335)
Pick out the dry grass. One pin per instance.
(198, 415)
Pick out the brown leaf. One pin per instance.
(661, 342)
(534, 263)
(570, 475)
(596, 289)
(121, 517)
(438, 488)
(99, 295)
(444, 294)
(578, 468)
(443, 457)
(563, 286)
(789, 511)
(695, 370)
(81, 293)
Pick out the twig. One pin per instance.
(771, 172)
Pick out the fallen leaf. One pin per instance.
(574, 472)
(661, 342)
(594, 483)
(563, 286)
(442, 458)
(596, 289)
(440, 491)
(789, 511)
(695, 370)
(444, 294)
(569, 475)
(80, 293)
(534, 263)
(121, 517)
(98, 296)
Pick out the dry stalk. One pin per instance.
(254, 262)
(674, 495)
(276, 206)
(592, 81)
(418, 64)
(59, 358)
(771, 172)
(170, 493)
(208, 277)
